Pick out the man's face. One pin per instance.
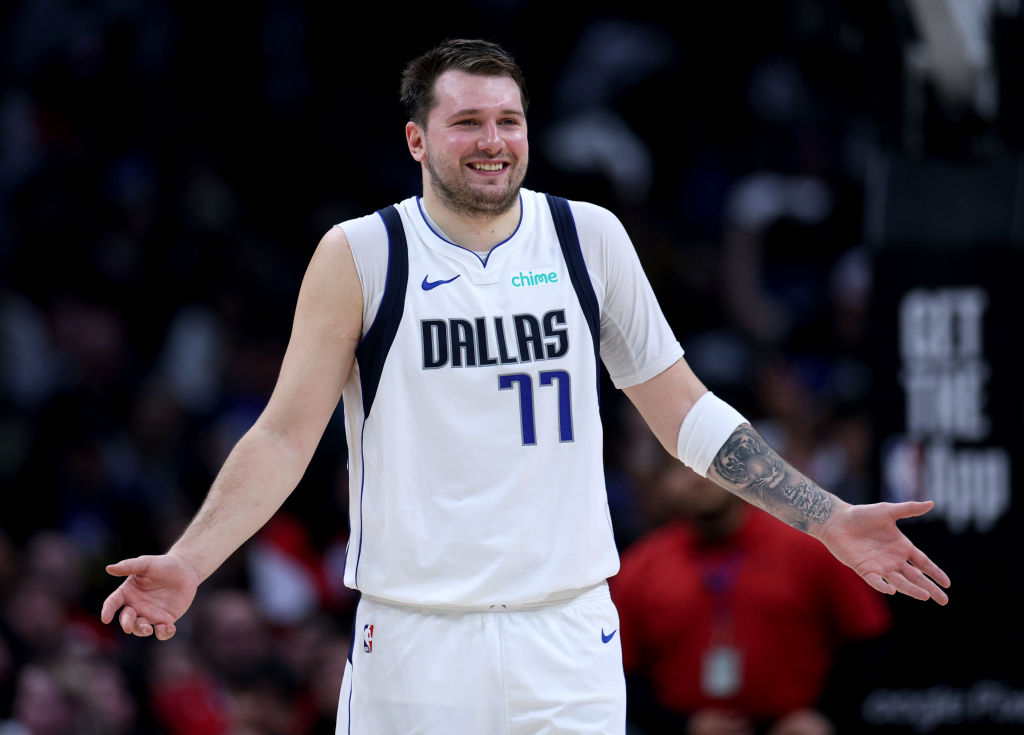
(474, 146)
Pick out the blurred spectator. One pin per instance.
(54, 562)
(192, 357)
(44, 704)
(589, 136)
(286, 571)
(240, 646)
(325, 682)
(29, 370)
(108, 705)
(264, 703)
(776, 251)
(747, 624)
(36, 621)
(185, 697)
(809, 407)
(234, 637)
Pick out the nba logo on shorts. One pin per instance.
(368, 638)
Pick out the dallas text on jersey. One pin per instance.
(484, 341)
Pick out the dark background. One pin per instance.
(166, 170)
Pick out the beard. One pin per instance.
(456, 193)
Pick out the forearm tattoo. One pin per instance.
(749, 467)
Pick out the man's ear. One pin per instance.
(415, 137)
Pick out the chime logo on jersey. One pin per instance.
(542, 277)
(368, 638)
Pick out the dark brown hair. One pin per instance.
(468, 55)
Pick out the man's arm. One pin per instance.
(747, 466)
(269, 460)
(864, 537)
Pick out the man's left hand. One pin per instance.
(866, 539)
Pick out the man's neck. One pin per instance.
(479, 233)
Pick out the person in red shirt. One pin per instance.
(740, 630)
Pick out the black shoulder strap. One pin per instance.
(373, 349)
(568, 238)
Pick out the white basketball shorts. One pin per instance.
(536, 670)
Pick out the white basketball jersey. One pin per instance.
(475, 441)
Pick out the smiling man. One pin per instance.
(475, 162)
(480, 534)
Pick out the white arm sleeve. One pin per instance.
(704, 431)
(637, 342)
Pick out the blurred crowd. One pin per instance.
(167, 169)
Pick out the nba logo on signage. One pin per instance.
(368, 638)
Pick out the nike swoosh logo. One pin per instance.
(606, 638)
(427, 285)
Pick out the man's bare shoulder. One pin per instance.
(331, 277)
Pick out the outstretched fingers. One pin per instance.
(127, 619)
(917, 577)
(117, 599)
(110, 606)
(134, 624)
(126, 567)
(910, 582)
(911, 508)
(905, 586)
(926, 565)
(920, 573)
(878, 582)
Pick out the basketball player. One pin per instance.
(464, 329)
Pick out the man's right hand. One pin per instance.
(156, 593)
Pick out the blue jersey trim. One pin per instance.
(373, 349)
(568, 238)
(351, 685)
(486, 256)
(355, 617)
(362, 487)
(375, 345)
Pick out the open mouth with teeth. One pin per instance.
(489, 167)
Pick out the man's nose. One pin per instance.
(489, 141)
